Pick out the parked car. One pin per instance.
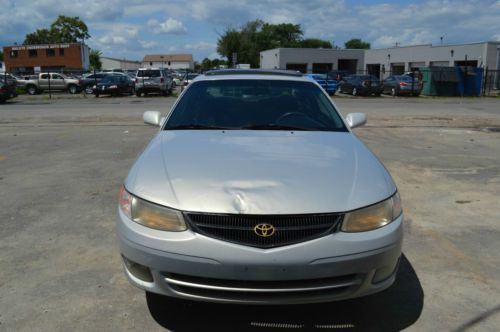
(153, 80)
(326, 82)
(56, 82)
(360, 85)
(188, 78)
(88, 81)
(176, 80)
(114, 85)
(7, 89)
(255, 190)
(402, 85)
(338, 74)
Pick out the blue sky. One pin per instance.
(132, 28)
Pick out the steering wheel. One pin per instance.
(289, 114)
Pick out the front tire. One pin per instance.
(32, 90)
(73, 89)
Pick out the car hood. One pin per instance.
(259, 172)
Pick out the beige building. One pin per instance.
(114, 63)
(170, 61)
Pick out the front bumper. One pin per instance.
(191, 266)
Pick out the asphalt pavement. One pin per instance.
(62, 162)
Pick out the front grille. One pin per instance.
(240, 229)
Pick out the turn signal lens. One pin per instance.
(125, 202)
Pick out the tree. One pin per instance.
(357, 43)
(40, 36)
(69, 29)
(256, 36)
(95, 59)
(208, 64)
(63, 30)
(315, 43)
(229, 43)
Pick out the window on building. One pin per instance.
(61, 51)
(14, 54)
(33, 53)
(51, 52)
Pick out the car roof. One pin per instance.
(240, 74)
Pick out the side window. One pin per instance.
(44, 76)
(56, 77)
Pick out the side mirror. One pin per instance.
(356, 119)
(152, 118)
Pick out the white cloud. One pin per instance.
(171, 25)
(200, 46)
(132, 26)
(148, 44)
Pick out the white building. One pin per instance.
(400, 59)
(114, 63)
(312, 60)
(383, 61)
(170, 61)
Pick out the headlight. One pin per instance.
(373, 217)
(95, 86)
(113, 86)
(149, 214)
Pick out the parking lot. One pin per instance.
(63, 160)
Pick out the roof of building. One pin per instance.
(116, 59)
(168, 57)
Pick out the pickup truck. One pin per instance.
(58, 81)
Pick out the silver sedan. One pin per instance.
(255, 190)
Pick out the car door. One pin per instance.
(388, 84)
(57, 82)
(43, 81)
(347, 85)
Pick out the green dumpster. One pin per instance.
(439, 81)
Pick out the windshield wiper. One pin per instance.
(195, 126)
(271, 126)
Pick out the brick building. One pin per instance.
(27, 59)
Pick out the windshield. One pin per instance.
(148, 73)
(255, 104)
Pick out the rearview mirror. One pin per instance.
(356, 119)
(152, 118)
